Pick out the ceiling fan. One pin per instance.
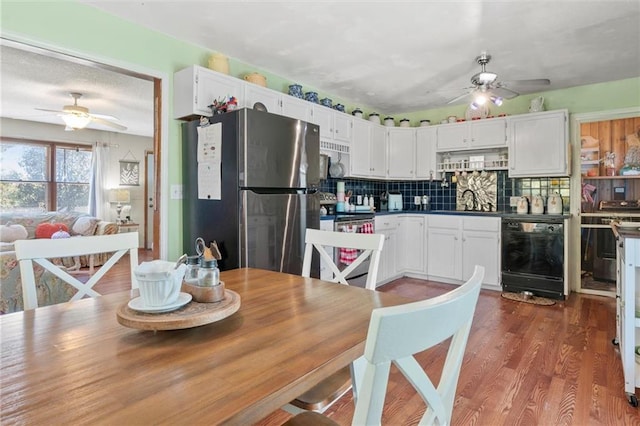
(486, 87)
(78, 117)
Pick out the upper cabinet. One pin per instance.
(539, 144)
(334, 125)
(368, 153)
(195, 88)
(401, 143)
(475, 134)
(426, 153)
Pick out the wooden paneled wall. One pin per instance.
(612, 136)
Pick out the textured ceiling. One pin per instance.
(394, 56)
(403, 56)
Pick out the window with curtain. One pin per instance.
(44, 176)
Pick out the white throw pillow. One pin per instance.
(85, 225)
(10, 233)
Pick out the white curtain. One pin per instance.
(98, 199)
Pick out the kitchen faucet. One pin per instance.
(474, 197)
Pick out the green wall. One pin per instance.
(75, 27)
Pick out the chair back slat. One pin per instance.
(370, 245)
(40, 250)
(397, 333)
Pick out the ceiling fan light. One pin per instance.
(497, 100)
(474, 105)
(487, 77)
(75, 122)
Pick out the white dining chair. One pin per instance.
(40, 251)
(321, 396)
(395, 335)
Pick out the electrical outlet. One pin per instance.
(513, 201)
(176, 192)
(416, 200)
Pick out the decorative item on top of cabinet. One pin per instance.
(195, 87)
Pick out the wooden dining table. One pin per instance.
(73, 363)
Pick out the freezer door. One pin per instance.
(278, 152)
(273, 227)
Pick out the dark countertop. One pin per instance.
(467, 213)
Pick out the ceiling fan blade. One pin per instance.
(505, 93)
(532, 82)
(456, 99)
(107, 123)
(105, 117)
(50, 110)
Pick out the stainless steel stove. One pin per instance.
(604, 259)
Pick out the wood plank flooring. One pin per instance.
(524, 364)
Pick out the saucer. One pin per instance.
(137, 305)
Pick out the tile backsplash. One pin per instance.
(444, 197)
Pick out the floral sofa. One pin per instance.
(50, 289)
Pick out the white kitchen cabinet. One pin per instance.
(195, 88)
(539, 144)
(378, 159)
(368, 153)
(456, 243)
(295, 108)
(334, 125)
(325, 270)
(389, 227)
(411, 249)
(401, 146)
(444, 247)
(475, 134)
(269, 98)
(426, 153)
(481, 246)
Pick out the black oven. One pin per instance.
(533, 256)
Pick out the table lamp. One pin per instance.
(119, 196)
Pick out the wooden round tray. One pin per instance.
(193, 314)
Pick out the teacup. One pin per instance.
(159, 282)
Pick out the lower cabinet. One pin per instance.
(439, 247)
(481, 246)
(325, 270)
(444, 242)
(412, 244)
(389, 226)
(457, 243)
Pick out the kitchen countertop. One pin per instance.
(464, 213)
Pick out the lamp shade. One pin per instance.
(75, 122)
(119, 196)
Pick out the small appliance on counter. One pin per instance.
(395, 201)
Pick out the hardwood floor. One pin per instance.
(524, 364)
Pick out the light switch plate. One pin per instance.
(176, 192)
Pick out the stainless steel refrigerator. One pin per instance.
(270, 169)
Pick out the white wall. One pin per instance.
(119, 146)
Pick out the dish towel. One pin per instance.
(346, 256)
(366, 228)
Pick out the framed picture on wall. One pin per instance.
(129, 173)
